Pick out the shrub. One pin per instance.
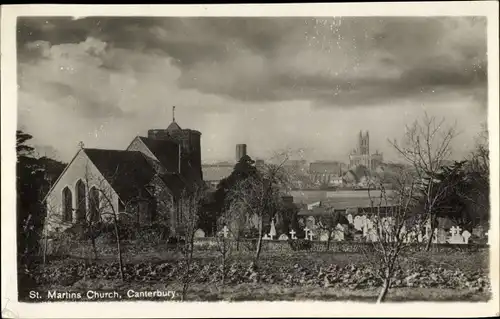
(300, 244)
(154, 233)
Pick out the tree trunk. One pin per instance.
(186, 279)
(224, 251)
(328, 240)
(429, 240)
(94, 247)
(385, 289)
(45, 248)
(259, 241)
(120, 261)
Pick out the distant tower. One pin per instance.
(241, 150)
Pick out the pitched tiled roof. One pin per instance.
(216, 172)
(127, 171)
(174, 183)
(167, 152)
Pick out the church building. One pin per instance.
(143, 183)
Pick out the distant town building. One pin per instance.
(327, 172)
(361, 155)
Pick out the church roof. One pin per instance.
(173, 127)
(126, 171)
(174, 182)
(167, 152)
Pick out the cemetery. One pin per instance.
(291, 263)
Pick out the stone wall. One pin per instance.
(83, 249)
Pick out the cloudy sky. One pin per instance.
(273, 83)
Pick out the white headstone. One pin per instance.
(323, 236)
(199, 233)
(272, 232)
(441, 235)
(420, 238)
(456, 237)
(350, 219)
(466, 235)
(311, 235)
(358, 222)
(293, 232)
(225, 231)
(283, 237)
(339, 235)
(306, 230)
(266, 237)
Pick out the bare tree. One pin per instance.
(223, 241)
(189, 210)
(329, 224)
(260, 196)
(426, 146)
(393, 221)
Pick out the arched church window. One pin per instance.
(81, 203)
(94, 204)
(67, 204)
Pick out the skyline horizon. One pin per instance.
(51, 152)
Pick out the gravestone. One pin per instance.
(479, 231)
(358, 222)
(310, 222)
(441, 236)
(272, 232)
(311, 235)
(199, 233)
(350, 219)
(283, 237)
(338, 235)
(266, 237)
(466, 235)
(420, 237)
(306, 232)
(293, 232)
(412, 236)
(455, 238)
(224, 232)
(323, 236)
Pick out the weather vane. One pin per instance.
(173, 113)
(81, 145)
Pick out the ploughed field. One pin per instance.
(331, 276)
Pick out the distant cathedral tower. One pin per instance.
(361, 155)
(364, 143)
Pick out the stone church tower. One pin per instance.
(190, 147)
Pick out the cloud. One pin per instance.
(271, 59)
(299, 80)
